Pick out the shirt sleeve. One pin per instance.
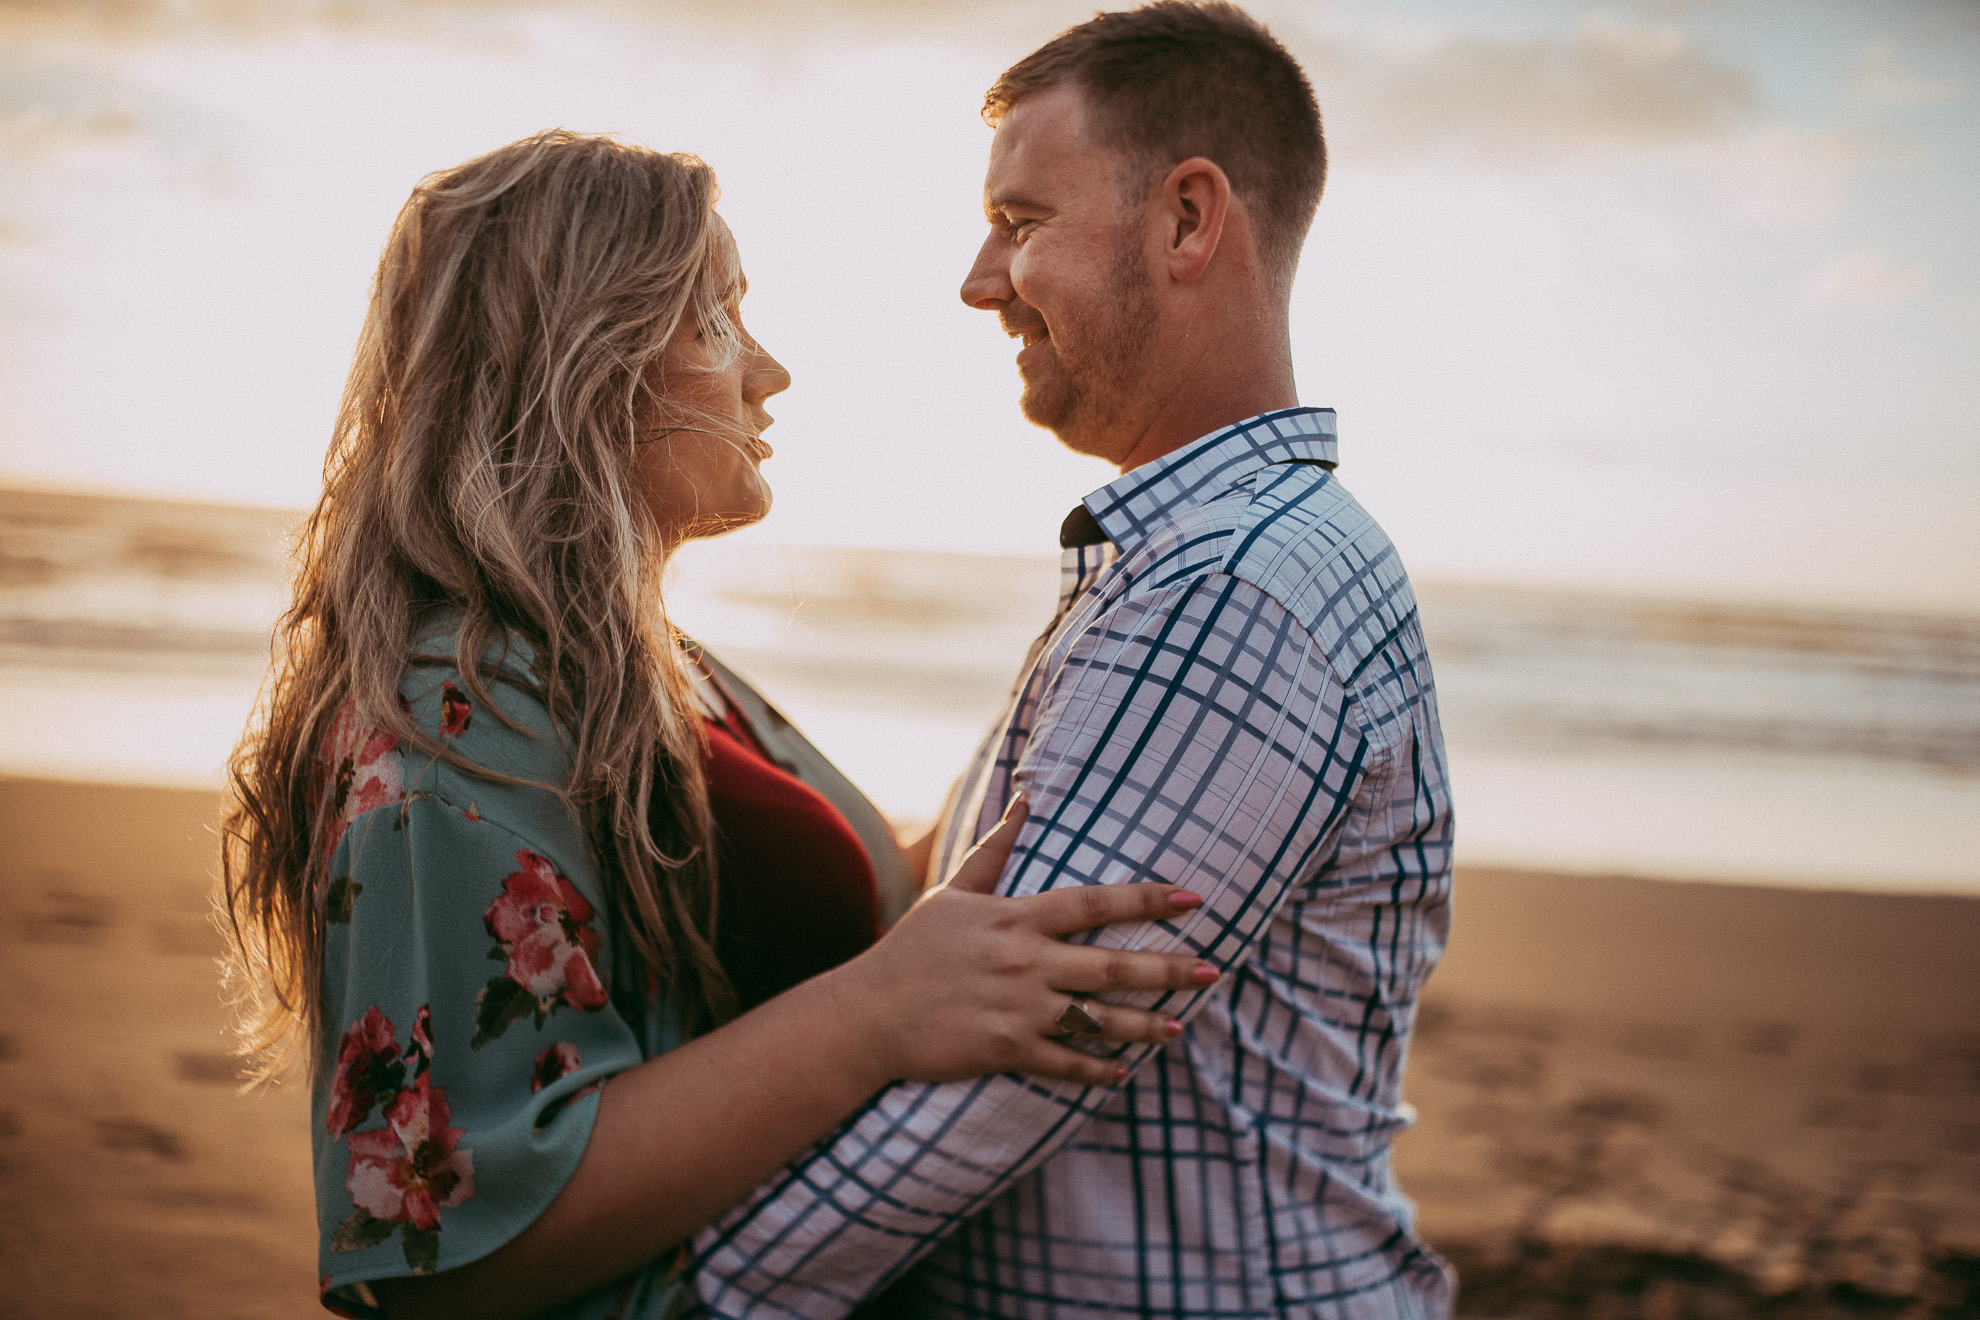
(1193, 733)
(467, 1019)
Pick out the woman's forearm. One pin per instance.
(677, 1140)
(920, 853)
(964, 985)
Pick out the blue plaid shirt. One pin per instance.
(1233, 697)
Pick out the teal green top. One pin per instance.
(468, 1006)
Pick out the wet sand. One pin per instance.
(1657, 1098)
(1638, 1097)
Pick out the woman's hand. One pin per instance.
(967, 984)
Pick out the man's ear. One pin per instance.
(1196, 202)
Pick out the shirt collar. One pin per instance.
(1127, 507)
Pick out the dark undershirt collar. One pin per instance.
(1080, 528)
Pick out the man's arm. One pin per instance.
(1195, 734)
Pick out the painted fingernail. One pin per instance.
(1204, 974)
(1172, 1028)
(1120, 1074)
(1182, 901)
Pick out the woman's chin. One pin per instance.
(745, 514)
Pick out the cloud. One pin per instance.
(1863, 278)
(71, 135)
(1662, 8)
(45, 106)
(1792, 178)
(771, 19)
(1881, 77)
(1606, 85)
(72, 124)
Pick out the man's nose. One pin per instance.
(988, 284)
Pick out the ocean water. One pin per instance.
(1591, 734)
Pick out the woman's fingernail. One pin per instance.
(1120, 1074)
(1182, 901)
(1204, 974)
(1172, 1028)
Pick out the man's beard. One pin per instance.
(1090, 378)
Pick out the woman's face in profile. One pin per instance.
(699, 470)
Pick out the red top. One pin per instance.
(798, 893)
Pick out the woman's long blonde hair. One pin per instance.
(483, 461)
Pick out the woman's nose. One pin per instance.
(767, 376)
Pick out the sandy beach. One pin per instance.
(1637, 1097)
(1654, 1098)
(144, 1183)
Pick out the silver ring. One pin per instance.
(1076, 1020)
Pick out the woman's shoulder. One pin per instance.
(489, 713)
(484, 745)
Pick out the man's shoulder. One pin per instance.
(1294, 532)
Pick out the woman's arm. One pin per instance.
(919, 854)
(965, 984)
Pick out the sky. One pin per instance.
(1678, 298)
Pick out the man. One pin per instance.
(1233, 697)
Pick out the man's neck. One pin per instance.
(1193, 409)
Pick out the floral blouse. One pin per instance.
(467, 1006)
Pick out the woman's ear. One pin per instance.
(1196, 201)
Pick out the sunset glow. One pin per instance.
(1691, 291)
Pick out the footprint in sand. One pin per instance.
(1776, 1039)
(139, 1137)
(1844, 1113)
(59, 915)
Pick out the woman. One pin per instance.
(468, 849)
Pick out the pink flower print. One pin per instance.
(553, 1065)
(542, 926)
(419, 1055)
(363, 770)
(545, 925)
(408, 1170)
(454, 711)
(368, 1071)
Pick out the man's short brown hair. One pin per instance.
(1176, 79)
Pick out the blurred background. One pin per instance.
(1654, 329)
